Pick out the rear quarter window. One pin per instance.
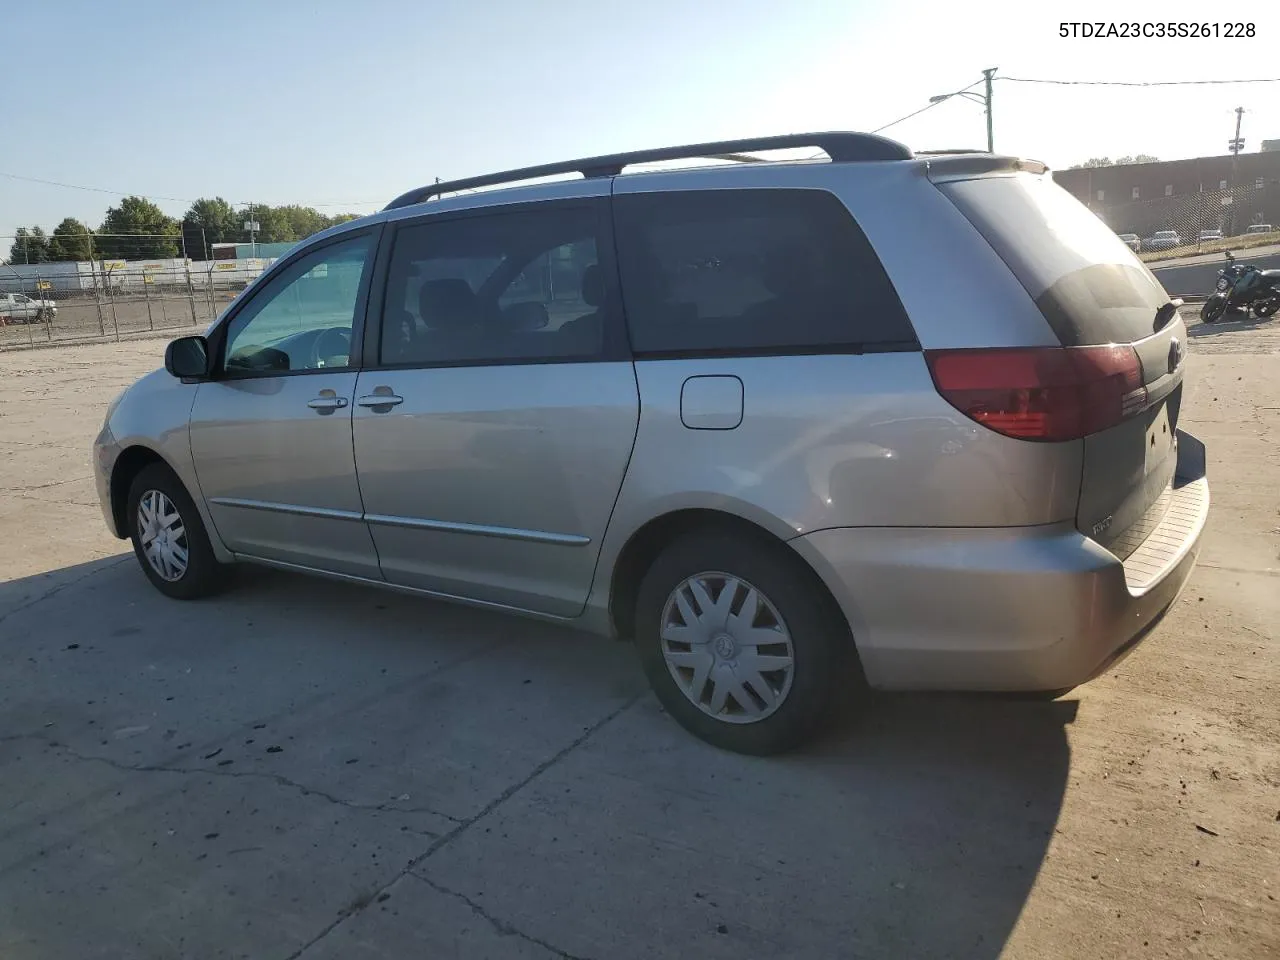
(1085, 280)
(756, 271)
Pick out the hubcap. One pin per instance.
(727, 648)
(163, 536)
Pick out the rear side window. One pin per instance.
(1085, 280)
(501, 287)
(755, 271)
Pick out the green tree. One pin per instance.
(304, 221)
(29, 246)
(70, 241)
(209, 221)
(138, 229)
(1094, 162)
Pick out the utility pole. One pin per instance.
(1237, 144)
(991, 143)
(985, 100)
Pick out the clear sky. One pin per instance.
(345, 105)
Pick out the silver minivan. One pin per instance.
(794, 429)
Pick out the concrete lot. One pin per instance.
(298, 769)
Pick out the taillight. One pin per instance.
(1041, 393)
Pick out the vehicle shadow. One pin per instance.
(915, 828)
(1230, 322)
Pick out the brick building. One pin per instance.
(1208, 193)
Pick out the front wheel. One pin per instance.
(1266, 308)
(741, 644)
(169, 538)
(1213, 308)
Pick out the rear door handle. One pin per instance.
(327, 403)
(380, 400)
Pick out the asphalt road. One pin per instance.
(1196, 276)
(298, 769)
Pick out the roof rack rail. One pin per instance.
(840, 146)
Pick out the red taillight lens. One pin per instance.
(1041, 393)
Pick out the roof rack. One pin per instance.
(840, 146)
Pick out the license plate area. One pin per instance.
(1161, 441)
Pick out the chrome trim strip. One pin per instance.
(401, 588)
(414, 523)
(480, 530)
(324, 513)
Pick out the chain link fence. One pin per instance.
(107, 299)
(1206, 222)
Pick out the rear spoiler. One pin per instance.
(963, 166)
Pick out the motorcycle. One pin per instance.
(1243, 287)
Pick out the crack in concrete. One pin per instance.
(46, 486)
(58, 588)
(277, 778)
(501, 926)
(467, 824)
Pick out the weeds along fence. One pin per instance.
(68, 302)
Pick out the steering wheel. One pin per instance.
(330, 342)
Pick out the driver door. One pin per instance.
(271, 432)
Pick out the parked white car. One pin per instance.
(1132, 241)
(1207, 235)
(1259, 228)
(19, 308)
(1162, 240)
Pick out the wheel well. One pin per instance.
(654, 537)
(128, 465)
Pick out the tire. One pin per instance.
(816, 634)
(1213, 308)
(1266, 308)
(202, 574)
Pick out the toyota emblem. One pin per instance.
(1175, 354)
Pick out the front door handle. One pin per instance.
(325, 403)
(376, 400)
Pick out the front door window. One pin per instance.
(303, 319)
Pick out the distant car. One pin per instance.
(1260, 228)
(1163, 240)
(1209, 235)
(1132, 241)
(19, 308)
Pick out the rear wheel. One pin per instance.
(1213, 308)
(1266, 308)
(169, 538)
(741, 644)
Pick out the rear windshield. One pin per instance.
(1085, 280)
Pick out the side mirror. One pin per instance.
(187, 358)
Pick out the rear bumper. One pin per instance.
(1007, 609)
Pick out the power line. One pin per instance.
(156, 196)
(76, 186)
(1144, 83)
(916, 113)
(928, 106)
